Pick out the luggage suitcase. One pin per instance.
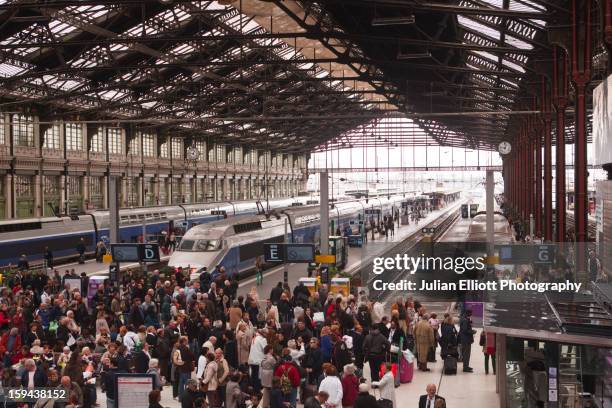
(406, 371)
(450, 365)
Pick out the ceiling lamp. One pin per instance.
(387, 21)
(418, 55)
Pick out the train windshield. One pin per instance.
(201, 245)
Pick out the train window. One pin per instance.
(162, 215)
(208, 245)
(141, 216)
(24, 226)
(156, 216)
(148, 216)
(186, 245)
(133, 219)
(124, 219)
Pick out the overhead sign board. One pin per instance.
(274, 253)
(543, 254)
(294, 253)
(125, 252)
(300, 253)
(135, 252)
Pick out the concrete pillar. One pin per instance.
(156, 187)
(124, 192)
(10, 196)
(226, 188)
(105, 200)
(85, 191)
(63, 193)
(113, 208)
(38, 197)
(324, 206)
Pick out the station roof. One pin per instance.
(286, 75)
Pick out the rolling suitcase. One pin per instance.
(450, 365)
(406, 371)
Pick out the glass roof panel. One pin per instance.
(9, 70)
(515, 42)
(476, 26)
(513, 66)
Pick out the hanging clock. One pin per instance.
(504, 148)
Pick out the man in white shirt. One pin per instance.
(429, 400)
(256, 356)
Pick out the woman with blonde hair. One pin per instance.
(253, 294)
(244, 337)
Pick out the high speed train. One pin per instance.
(477, 231)
(62, 234)
(236, 242)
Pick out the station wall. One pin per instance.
(65, 166)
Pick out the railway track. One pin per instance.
(430, 231)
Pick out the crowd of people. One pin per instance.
(212, 346)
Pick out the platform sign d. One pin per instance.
(274, 252)
(149, 253)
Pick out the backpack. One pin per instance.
(285, 382)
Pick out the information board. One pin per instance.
(543, 254)
(125, 252)
(300, 253)
(135, 252)
(132, 390)
(295, 253)
(274, 253)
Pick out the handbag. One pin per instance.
(384, 403)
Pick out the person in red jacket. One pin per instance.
(350, 386)
(4, 317)
(10, 344)
(287, 370)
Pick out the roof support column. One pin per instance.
(538, 180)
(547, 161)
(581, 76)
(525, 174)
(560, 95)
(529, 176)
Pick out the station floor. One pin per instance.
(474, 390)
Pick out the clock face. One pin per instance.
(504, 148)
(193, 153)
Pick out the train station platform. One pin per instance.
(356, 256)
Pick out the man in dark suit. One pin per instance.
(429, 400)
(141, 360)
(33, 376)
(466, 337)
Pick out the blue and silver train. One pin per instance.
(236, 243)
(62, 234)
